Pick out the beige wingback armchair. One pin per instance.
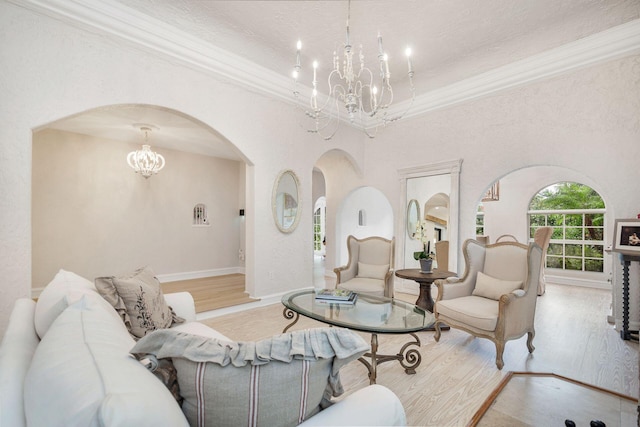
(370, 266)
(496, 296)
(542, 236)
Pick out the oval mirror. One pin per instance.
(413, 216)
(285, 201)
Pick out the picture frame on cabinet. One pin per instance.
(626, 236)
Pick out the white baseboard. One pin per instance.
(174, 277)
(188, 275)
(263, 302)
(573, 281)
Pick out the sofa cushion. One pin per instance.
(63, 290)
(83, 375)
(139, 301)
(279, 381)
(479, 312)
(490, 287)
(19, 343)
(372, 271)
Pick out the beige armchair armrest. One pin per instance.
(344, 273)
(453, 287)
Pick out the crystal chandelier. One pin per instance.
(145, 161)
(352, 87)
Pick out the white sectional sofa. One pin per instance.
(65, 361)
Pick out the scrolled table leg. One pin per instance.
(290, 314)
(410, 358)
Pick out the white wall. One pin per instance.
(587, 121)
(378, 215)
(509, 214)
(91, 214)
(52, 70)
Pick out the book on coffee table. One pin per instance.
(328, 301)
(334, 294)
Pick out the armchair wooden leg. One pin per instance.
(530, 336)
(438, 332)
(499, 351)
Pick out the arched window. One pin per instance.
(577, 214)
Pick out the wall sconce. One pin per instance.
(241, 212)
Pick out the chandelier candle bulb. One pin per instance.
(315, 68)
(408, 53)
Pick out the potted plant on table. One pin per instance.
(425, 256)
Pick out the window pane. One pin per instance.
(573, 233)
(479, 219)
(573, 250)
(594, 265)
(594, 219)
(532, 231)
(555, 249)
(537, 220)
(593, 233)
(573, 264)
(556, 219)
(593, 251)
(479, 231)
(557, 234)
(554, 262)
(573, 220)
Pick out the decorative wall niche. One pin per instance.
(200, 217)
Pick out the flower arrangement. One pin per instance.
(421, 234)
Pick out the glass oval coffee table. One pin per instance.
(372, 314)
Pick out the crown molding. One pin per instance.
(614, 43)
(159, 38)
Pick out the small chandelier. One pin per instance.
(145, 161)
(366, 103)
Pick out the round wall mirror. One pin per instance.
(413, 216)
(285, 201)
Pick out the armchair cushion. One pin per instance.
(490, 287)
(365, 285)
(279, 381)
(479, 312)
(372, 271)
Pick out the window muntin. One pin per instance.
(577, 241)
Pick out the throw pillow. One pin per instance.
(139, 301)
(372, 271)
(492, 288)
(279, 381)
(63, 290)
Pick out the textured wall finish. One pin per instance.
(587, 121)
(91, 214)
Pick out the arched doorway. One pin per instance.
(93, 215)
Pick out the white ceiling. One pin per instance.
(451, 39)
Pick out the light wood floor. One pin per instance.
(457, 374)
(211, 293)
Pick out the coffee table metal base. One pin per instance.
(409, 358)
(290, 314)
